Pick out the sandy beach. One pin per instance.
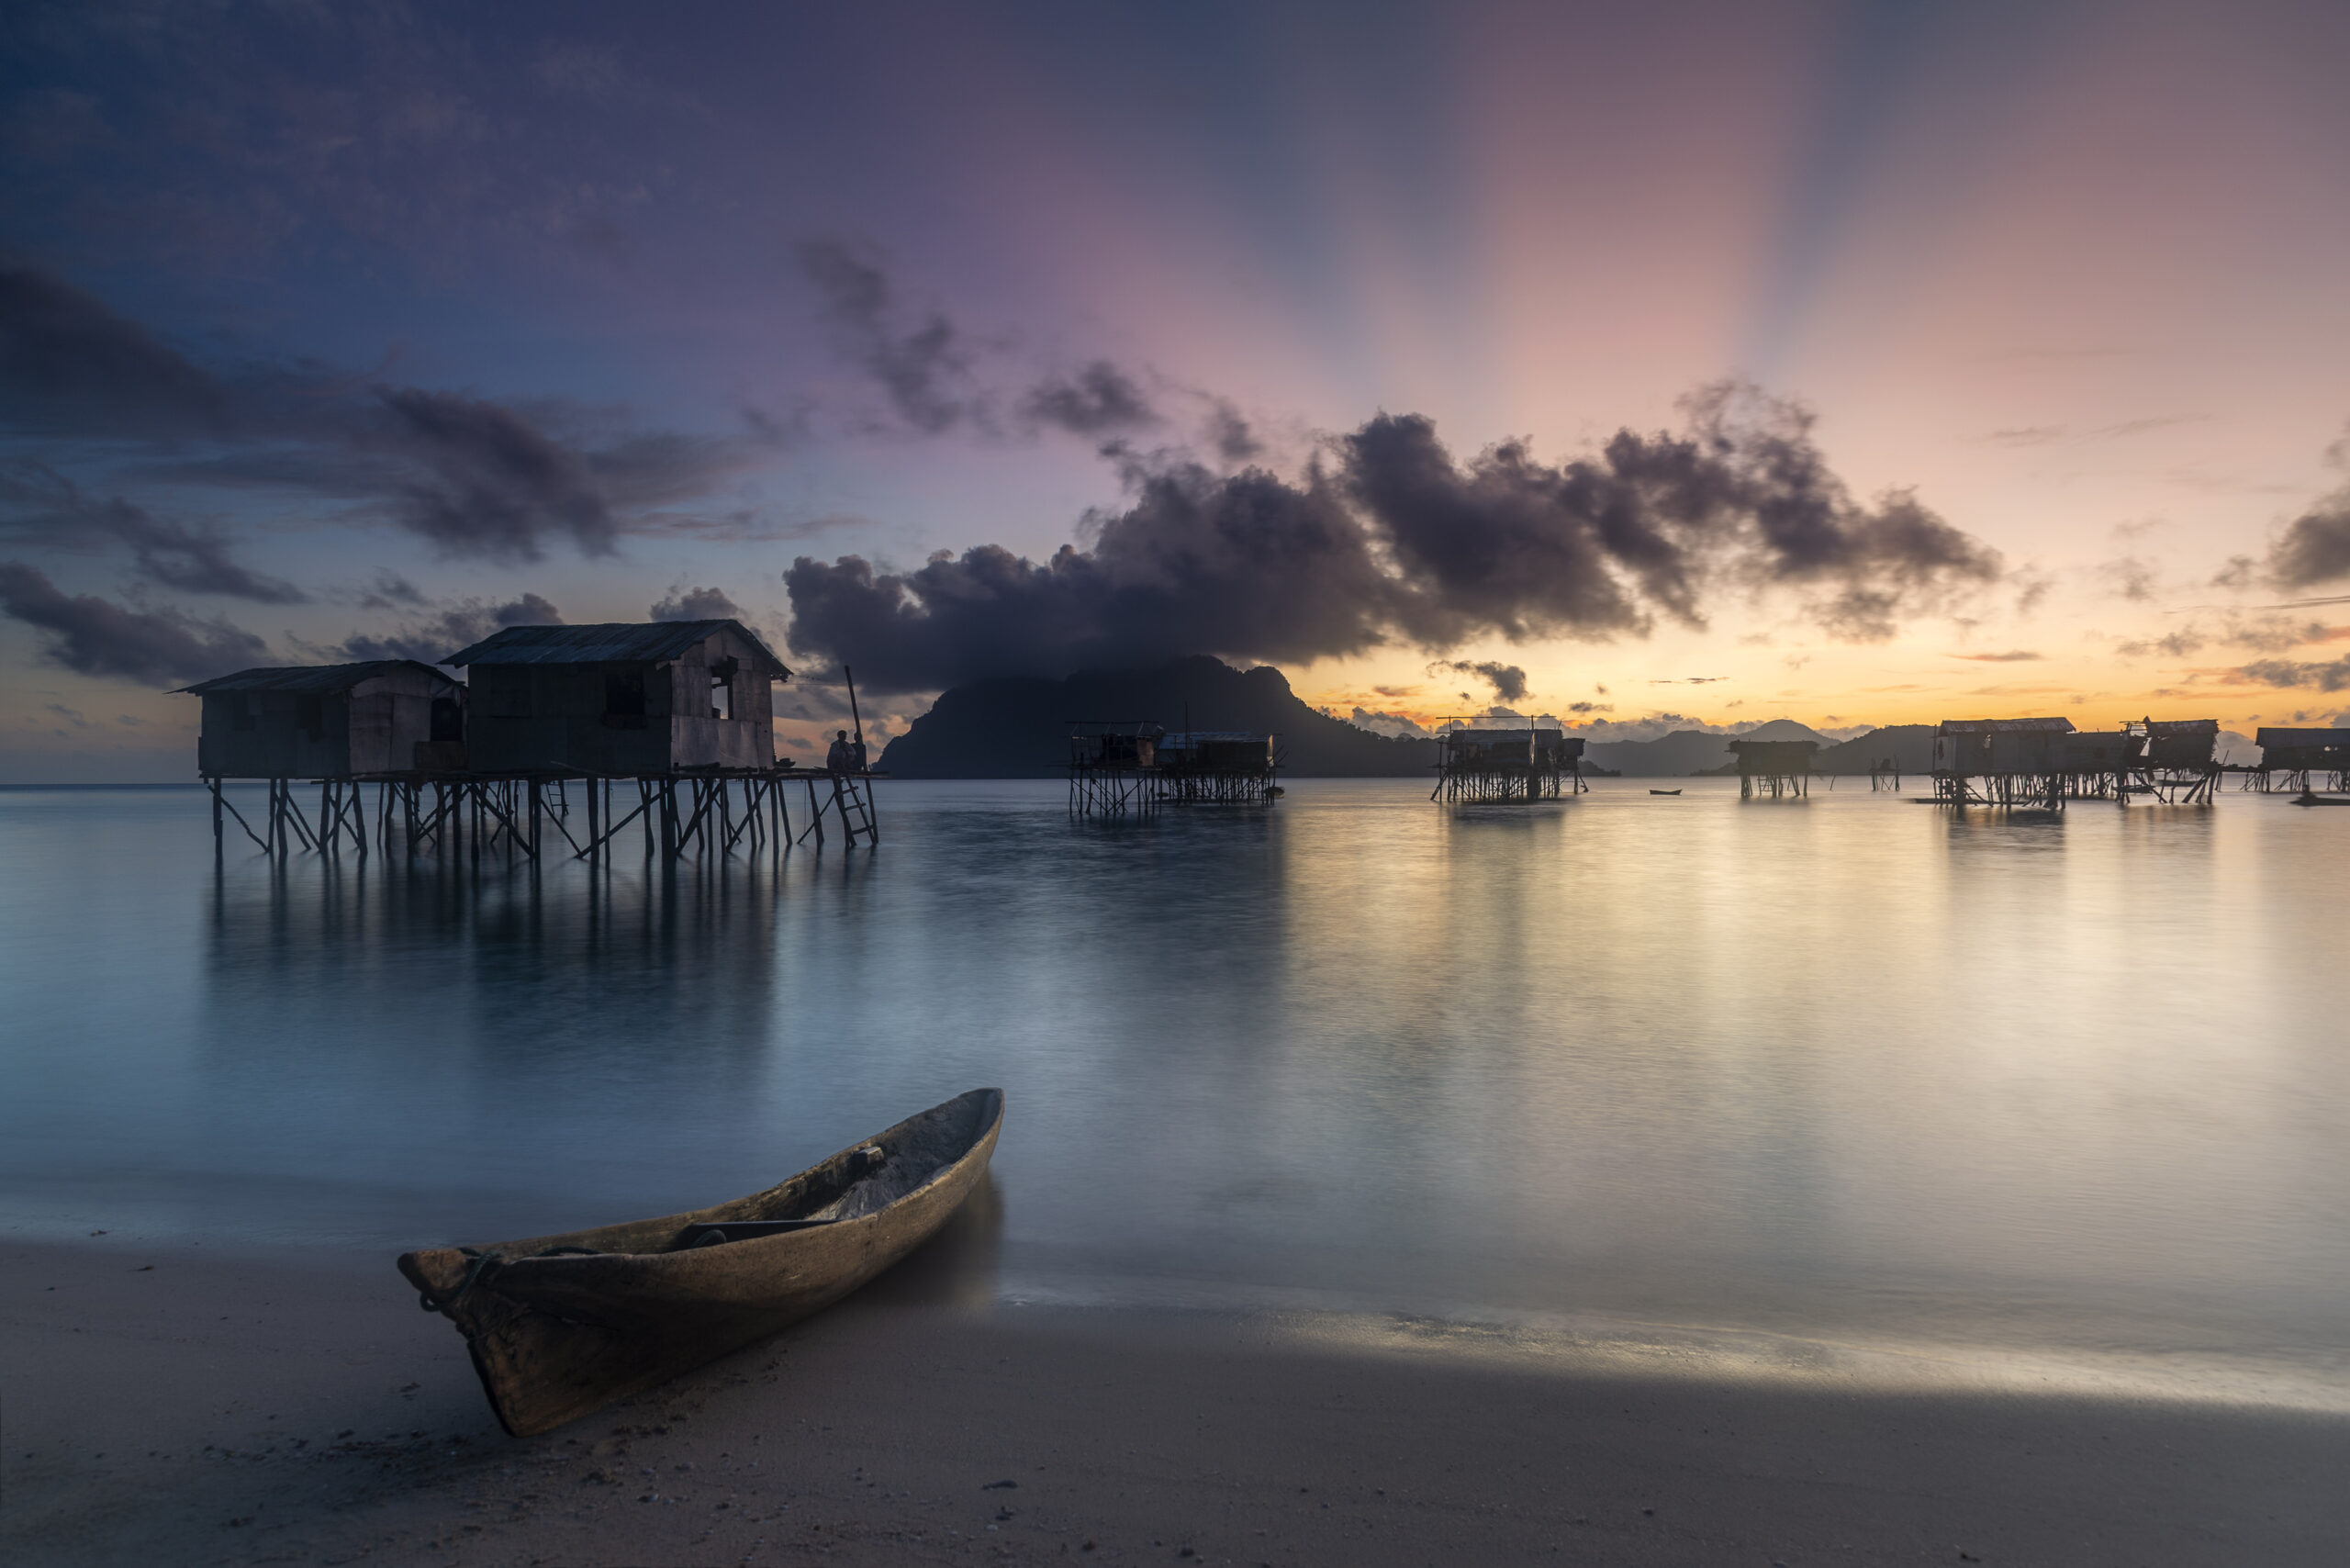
(172, 1401)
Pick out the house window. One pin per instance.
(506, 693)
(241, 711)
(310, 716)
(448, 719)
(721, 688)
(624, 691)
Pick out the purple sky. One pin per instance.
(328, 333)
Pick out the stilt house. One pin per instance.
(1967, 748)
(1217, 751)
(1782, 758)
(2182, 743)
(331, 721)
(2094, 753)
(1544, 750)
(621, 700)
(2303, 756)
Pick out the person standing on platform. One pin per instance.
(842, 758)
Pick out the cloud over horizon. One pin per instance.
(1387, 539)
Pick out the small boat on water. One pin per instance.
(2312, 798)
(1664, 792)
(559, 1326)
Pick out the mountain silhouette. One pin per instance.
(1017, 726)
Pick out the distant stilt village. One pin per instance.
(584, 739)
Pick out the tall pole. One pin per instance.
(850, 676)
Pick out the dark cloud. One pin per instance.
(1508, 680)
(1199, 562)
(2129, 577)
(1388, 538)
(485, 481)
(1100, 399)
(476, 477)
(696, 604)
(39, 506)
(2315, 547)
(923, 369)
(1380, 723)
(1584, 548)
(96, 636)
(2334, 675)
(1231, 436)
(430, 639)
(69, 366)
(392, 590)
(2175, 645)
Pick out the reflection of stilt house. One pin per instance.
(2002, 762)
(1230, 767)
(2303, 759)
(1507, 765)
(1773, 769)
(622, 700)
(1109, 762)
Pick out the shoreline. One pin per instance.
(171, 1402)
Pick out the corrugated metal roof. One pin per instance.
(624, 641)
(1175, 740)
(2268, 737)
(1745, 746)
(1500, 737)
(2159, 728)
(2004, 726)
(312, 677)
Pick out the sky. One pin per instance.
(1646, 366)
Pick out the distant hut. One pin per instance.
(1108, 760)
(2300, 759)
(2020, 761)
(2183, 742)
(623, 699)
(1532, 764)
(2180, 763)
(1774, 768)
(384, 716)
(1217, 766)
(2099, 763)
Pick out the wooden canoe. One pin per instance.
(559, 1326)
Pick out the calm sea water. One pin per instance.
(2047, 1093)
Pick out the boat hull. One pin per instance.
(561, 1325)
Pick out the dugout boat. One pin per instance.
(559, 1326)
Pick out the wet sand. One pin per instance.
(169, 1401)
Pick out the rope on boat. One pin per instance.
(482, 1259)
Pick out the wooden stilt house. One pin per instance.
(621, 700)
(380, 717)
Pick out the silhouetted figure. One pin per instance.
(842, 758)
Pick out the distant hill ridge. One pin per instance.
(1017, 726)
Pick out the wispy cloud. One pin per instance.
(96, 636)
